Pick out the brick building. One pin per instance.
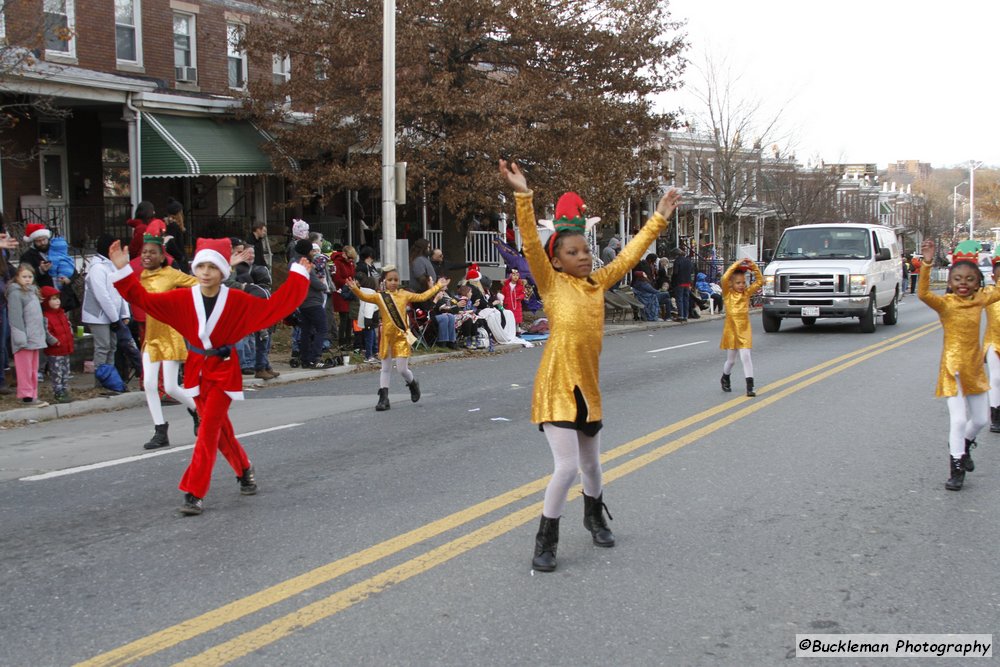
(111, 103)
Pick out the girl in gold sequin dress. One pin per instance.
(991, 343)
(566, 403)
(736, 334)
(961, 377)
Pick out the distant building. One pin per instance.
(905, 172)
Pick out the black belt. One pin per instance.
(222, 351)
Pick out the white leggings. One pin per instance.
(572, 451)
(993, 364)
(402, 365)
(150, 376)
(727, 367)
(968, 415)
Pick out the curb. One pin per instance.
(138, 398)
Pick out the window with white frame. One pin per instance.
(185, 56)
(59, 25)
(237, 57)
(281, 69)
(128, 45)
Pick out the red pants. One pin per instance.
(215, 433)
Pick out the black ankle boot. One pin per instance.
(967, 459)
(957, 469)
(727, 384)
(995, 420)
(383, 400)
(159, 438)
(750, 391)
(248, 482)
(414, 390)
(593, 520)
(546, 542)
(197, 420)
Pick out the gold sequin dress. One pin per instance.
(393, 342)
(961, 352)
(575, 308)
(161, 341)
(992, 337)
(736, 332)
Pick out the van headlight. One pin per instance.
(859, 284)
(768, 288)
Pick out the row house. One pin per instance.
(112, 102)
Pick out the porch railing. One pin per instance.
(81, 225)
(479, 248)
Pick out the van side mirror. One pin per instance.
(883, 254)
(767, 255)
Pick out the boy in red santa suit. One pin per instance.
(212, 318)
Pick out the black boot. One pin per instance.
(967, 459)
(727, 385)
(593, 520)
(750, 391)
(414, 390)
(192, 506)
(957, 469)
(159, 438)
(248, 482)
(546, 542)
(383, 400)
(995, 420)
(197, 420)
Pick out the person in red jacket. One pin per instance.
(344, 264)
(58, 352)
(144, 214)
(514, 295)
(212, 318)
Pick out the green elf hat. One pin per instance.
(569, 216)
(967, 251)
(996, 255)
(155, 231)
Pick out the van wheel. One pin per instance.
(890, 314)
(868, 319)
(771, 322)
(808, 321)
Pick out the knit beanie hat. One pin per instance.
(303, 247)
(300, 229)
(48, 292)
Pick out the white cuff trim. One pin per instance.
(121, 273)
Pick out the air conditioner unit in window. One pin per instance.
(186, 74)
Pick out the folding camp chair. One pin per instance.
(420, 325)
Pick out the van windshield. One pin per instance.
(833, 242)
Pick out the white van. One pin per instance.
(833, 270)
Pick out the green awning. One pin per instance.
(180, 146)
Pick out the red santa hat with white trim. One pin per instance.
(214, 251)
(473, 273)
(36, 231)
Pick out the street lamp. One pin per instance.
(973, 165)
(954, 205)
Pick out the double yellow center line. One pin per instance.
(284, 626)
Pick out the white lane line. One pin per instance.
(674, 347)
(140, 457)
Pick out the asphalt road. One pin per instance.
(405, 538)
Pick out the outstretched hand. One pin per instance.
(927, 248)
(513, 176)
(118, 255)
(668, 203)
(8, 242)
(443, 282)
(351, 283)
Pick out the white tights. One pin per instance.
(727, 367)
(402, 365)
(993, 364)
(150, 376)
(572, 451)
(968, 415)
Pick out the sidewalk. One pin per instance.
(82, 383)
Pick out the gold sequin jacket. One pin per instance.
(393, 342)
(736, 332)
(162, 341)
(575, 308)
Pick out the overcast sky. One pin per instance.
(875, 81)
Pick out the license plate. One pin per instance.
(810, 311)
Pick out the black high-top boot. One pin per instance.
(750, 391)
(727, 385)
(197, 420)
(593, 520)
(957, 469)
(546, 542)
(383, 400)
(995, 420)
(159, 438)
(967, 459)
(414, 390)
(248, 482)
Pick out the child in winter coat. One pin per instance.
(58, 352)
(27, 333)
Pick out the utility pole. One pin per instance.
(389, 132)
(973, 165)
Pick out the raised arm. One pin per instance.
(758, 279)
(609, 275)
(266, 313)
(352, 285)
(924, 292)
(538, 261)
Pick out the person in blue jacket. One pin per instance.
(706, 290)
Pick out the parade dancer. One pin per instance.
(737, 336)
(991, 342)
(161, 345)
(395, 345)
(961, 377)
(566, 402)
(213, 318)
